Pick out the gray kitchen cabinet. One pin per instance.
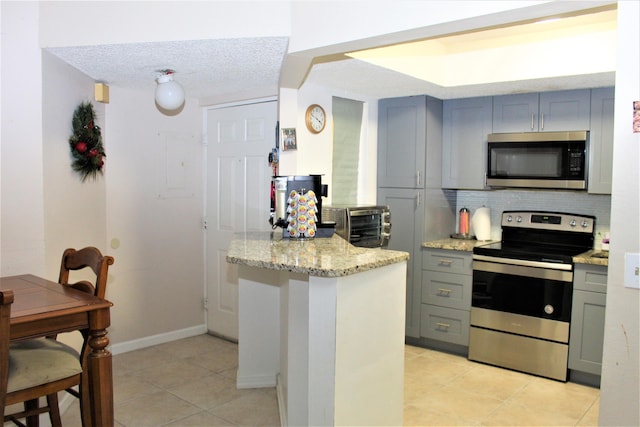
(446, 295)
(542, 112)
(587, 319)
(466, 124)
(409, 142)
(601, 141)
(515, 113)
(407, 222)
(409, 182)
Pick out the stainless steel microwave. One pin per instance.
(554, 160)
(364, 226)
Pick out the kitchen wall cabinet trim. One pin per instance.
(466, 124)
(542, 112)
(601, 141)
(587, 319)
(409, 142)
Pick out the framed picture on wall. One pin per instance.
(289, 139)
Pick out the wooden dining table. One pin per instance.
(44, 308)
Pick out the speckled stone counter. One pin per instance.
(456, 244)
(322, 257)
(593, 257)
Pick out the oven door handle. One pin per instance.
(521, 270)
(525, 263)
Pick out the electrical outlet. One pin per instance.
(632, 270)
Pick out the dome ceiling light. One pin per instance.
(169, 93)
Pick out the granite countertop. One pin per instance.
(456, 244)
(593, 257)
(322, 257)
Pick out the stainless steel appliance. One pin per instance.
(522, 289)
(538, 160)
(366, 226)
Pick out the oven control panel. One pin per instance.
(557, 221)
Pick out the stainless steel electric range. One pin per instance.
(522, 289)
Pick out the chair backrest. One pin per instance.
(87, 257)
(6, 299)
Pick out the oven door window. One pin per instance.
(525, 295)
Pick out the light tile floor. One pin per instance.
(191, 382)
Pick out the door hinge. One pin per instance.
(205, 304)
(204, 223)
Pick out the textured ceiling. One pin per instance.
(205, 68)
(221, 68)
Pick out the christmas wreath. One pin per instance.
(86, 142)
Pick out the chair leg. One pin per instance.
(32, 420)
(54, 410)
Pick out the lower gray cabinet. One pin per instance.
(586, 337)
(446, 295)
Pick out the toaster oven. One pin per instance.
(366, 226)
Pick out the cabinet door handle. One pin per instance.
(418, 200)
(443, 325)
(417, 178)
(533, 116)
(541, 121)
(446, 262)
(444, 292)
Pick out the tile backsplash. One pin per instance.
(552, 201)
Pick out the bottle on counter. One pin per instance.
(463, 222)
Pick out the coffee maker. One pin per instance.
(281, 187)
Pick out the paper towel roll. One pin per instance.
(481, 223)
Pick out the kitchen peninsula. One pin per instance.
(324, 322)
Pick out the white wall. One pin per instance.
(314, 153)
(75, 210)
(620, 392)
(21, 195)
(154, 216)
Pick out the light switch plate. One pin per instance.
(632, 270)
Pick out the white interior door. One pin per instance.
(239, 139)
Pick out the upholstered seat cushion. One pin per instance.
(40, 361)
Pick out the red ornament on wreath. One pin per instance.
(81, 147)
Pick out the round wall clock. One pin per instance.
(315, 118)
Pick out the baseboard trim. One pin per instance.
(281, 406)
(152, 340)
(256, 381)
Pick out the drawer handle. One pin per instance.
(443, 325)
(446, 262)
(443, 291)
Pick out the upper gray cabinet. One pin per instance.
(542, 112)
(409, 142)
(601, 141)
(466, 124)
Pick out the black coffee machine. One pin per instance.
(281, 186)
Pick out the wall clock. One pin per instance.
(315, 118)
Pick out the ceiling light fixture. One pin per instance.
(169, 93)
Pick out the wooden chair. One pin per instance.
(33, 368)
(72, 260)
(6, 299)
